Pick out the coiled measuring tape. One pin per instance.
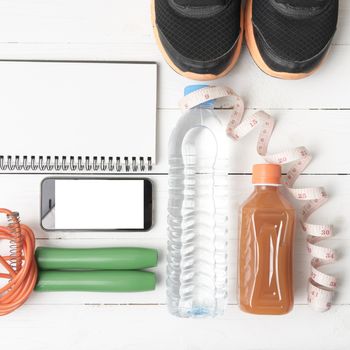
(321, 286)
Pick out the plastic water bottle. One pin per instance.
(197, 214)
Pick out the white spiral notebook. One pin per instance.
(62, 116)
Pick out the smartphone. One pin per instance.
(96, 204)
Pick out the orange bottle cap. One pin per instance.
(266, 174)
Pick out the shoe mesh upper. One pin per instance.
(295, 39)
(199, 38)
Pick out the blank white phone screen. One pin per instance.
(99, 204)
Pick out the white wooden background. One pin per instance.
(314, 112)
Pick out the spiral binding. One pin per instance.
(73, 163)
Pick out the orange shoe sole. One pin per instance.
(255, 53)
(191, 75)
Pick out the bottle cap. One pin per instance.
(266, 174)
(192, 88)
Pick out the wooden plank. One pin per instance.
(26, 188)
(80, 21)
(103, 30)
(158, 296)
(22, 194)
(151, 327)
(322, 132)
(94, 21)
(258, 90)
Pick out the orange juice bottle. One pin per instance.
(266, 246)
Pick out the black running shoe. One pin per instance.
(200, 39)
(289, 39)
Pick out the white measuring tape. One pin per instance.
(321, 286)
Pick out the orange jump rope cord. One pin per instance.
(22, 280)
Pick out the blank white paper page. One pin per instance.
(78, 109)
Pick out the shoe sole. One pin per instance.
(191, 75)
(255, 53)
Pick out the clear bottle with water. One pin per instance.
(197, 214)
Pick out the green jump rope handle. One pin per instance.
(95, 258)
(95, 281)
